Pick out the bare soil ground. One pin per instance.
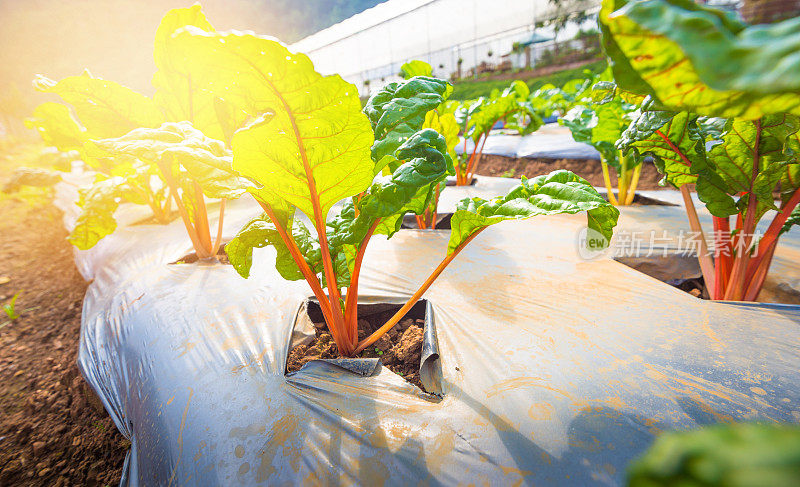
(53, 429)
(589, 169)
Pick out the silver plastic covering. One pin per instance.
(554, 370)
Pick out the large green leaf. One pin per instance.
(107, 109)
(752, 157)
(180, 96)
(672, 142)
(697, 58)
(558, 192)
(312, 150)
(56, 126)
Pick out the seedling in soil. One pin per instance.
(314, 149)
(718, 119)
(10, 308)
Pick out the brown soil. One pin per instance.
(53, 429)
(589, 169)
(400, 349)
(695, 287)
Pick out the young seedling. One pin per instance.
(312, 149)
(10, 308)
(697, 63)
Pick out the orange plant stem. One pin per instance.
(706, 263)
(310, 277)
(218, 240)
(351, 303)
(417, 295)
(201, 219)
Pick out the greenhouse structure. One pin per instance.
(368, 48)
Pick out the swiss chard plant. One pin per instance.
(599, 121)
(722, 113)
(140, 147)
(315, 161)
(476, 119)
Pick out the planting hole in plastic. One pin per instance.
(452, 182)
(442, 222)
(430, 372)
(191, 258)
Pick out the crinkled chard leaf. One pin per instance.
(398, 111)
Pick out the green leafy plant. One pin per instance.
(148, 151)
(310, 148)
(599, 121)
(747, 455)
(477, 118)
(10, 308)
(722, 113)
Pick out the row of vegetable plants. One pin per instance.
(713, 104)
(238, 113)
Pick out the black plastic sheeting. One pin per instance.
(553, 370)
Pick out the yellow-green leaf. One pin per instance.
(313, 148)
(105, 108)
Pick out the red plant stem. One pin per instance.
(759, 274)
(420, 221)
(319, 221)
(351, 303)
(218, 240)
(722, 246)
(311, 278)
(735, 288)
(417, 295)
(770, 238)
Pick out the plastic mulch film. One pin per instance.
(549, 142)
(552, 369)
